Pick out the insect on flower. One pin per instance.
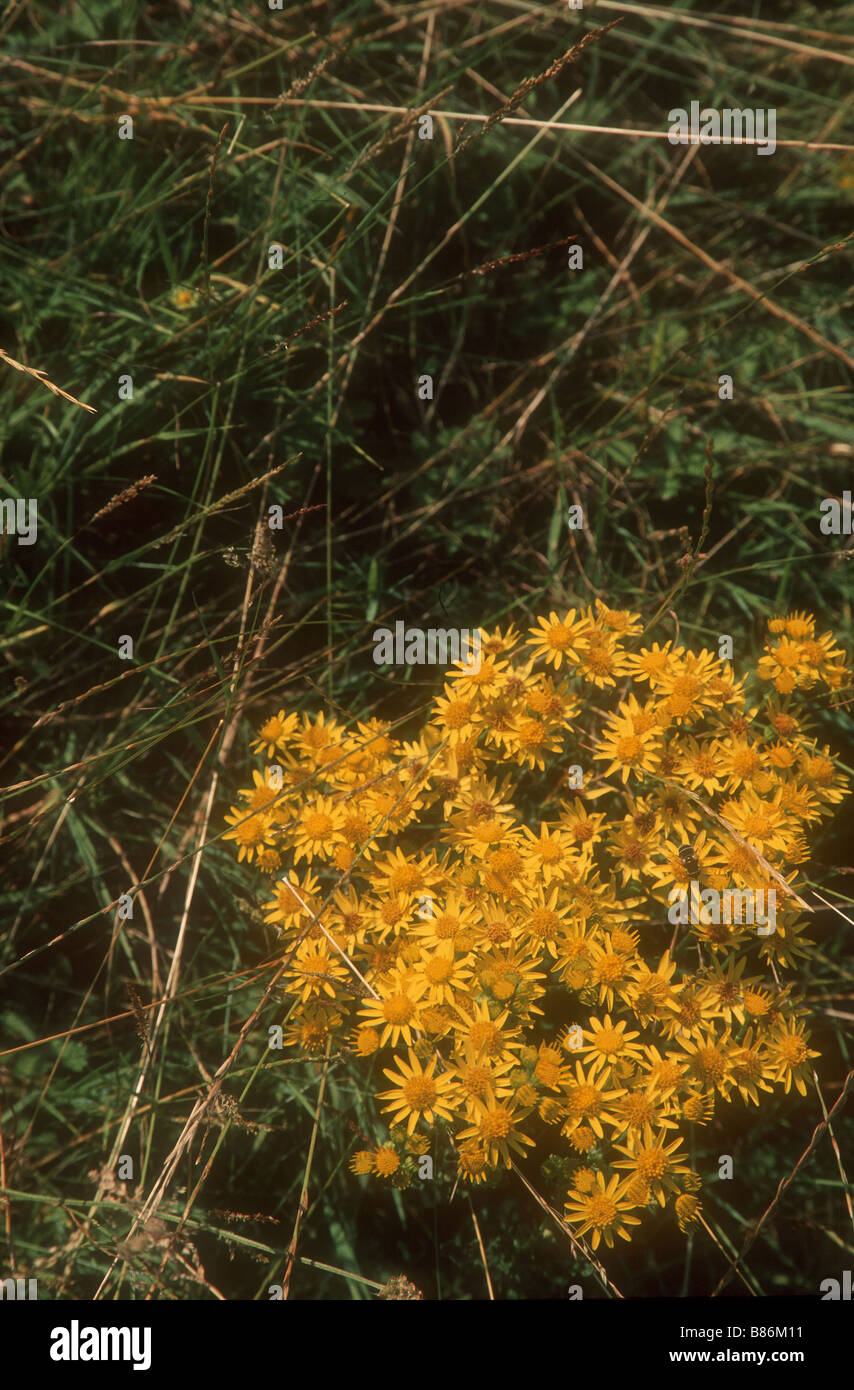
(689, 861)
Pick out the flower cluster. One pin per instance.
(483, 912)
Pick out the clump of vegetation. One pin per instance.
(507, 970)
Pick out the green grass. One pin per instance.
(298, 387)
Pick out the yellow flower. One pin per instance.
(618, 620)
(416, 1094)
(588, 1102)
(456, 717)
(253, 834)
(684, 690)
(758, 822)
(790, 1056)
(496, 1131)
(600, 661)
(556, 638)
(710, 1061)
(604, 1211)
(478, 1079)
(315, 831)
(319, 742)
(444, 975)
(752, 1068)
(316, 970)
(452, 920)
(402, 873)
(642, 1108)
(582, 825)
(652, 663)
(184, 298)
(687, 1211)
(396, 1012)
(472, 1163)
(366, 1042)
(274, 734)
(654, 1162)
(626, 751)
(386, 1162)
(487, 1034)
(584, 1179)
(551, 854)
(531, 740)
(609, 1043)
(295, 900)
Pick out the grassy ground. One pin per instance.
(149, 258)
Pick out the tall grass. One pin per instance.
(401, 256)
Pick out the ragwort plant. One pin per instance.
(426, 926)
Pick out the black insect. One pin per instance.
(689, 861)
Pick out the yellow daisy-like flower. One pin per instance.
(253, 834)
(316, 970)
(699, 766)
(609, 1043)
(752, 1069)
(319, 742)
(551, 854)
(542, 921)
(366, 1042)
(453, 920)
(687, 1211)
(610, 972)
(416, 1093)
(487, 1034)
(582, 825)
(267, 798)
(496, 1131)
(589, 1102)
(315, 832)
(532, 740)
(296, 900)
(455, 716)
(404, 873)
(826, 782)
(654, 1162)
(618, 620)
(600, 660)
(550, 702)
(500, 642)
(485, 678)
(275, 733)
(445, 975)
(649, 991)
(760, 822)
(710, 1061)
(626, 751)
(648, 1106)
(605, 1211)
(790, 1055)
(396, 1013)
(555, 638)
(653, 663)
(479, 1080)
(269, 860)
(584, 1179)
(684, 690)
